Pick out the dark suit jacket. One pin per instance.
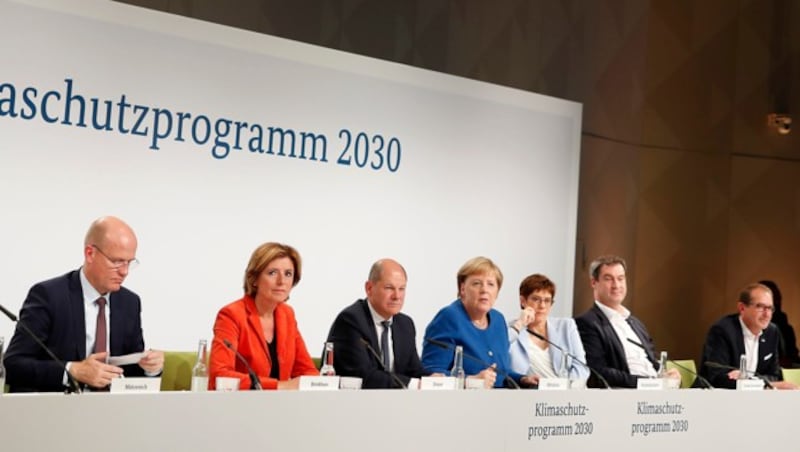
(54, 311)
(352, 358)
(725, 344)
(604, 351)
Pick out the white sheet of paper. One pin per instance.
(132, 358)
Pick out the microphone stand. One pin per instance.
(574, 358)
(74, 387)
(395, 379)
(255, 383)
(702, 379)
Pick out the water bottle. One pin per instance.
(662, 365)
(743, 367)
(563, 370)
(327, 369)
(200, 369)
(457, 371)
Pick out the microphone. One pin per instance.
(747, 372)
(74, 387)
(504, 374)
(255, 383)
(574, 358)
(705, 382)
(702, 379)
(372, 351)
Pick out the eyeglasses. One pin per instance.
(762, 307)
(540, 300)
(116, 264)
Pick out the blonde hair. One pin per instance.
(477, 266)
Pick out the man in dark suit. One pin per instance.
(84, 317)
(377, 320)
(749, 333)
(617, 344)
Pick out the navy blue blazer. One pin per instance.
(54, 311)
(725, 344)
(604, 351)
(352, 358)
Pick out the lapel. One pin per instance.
(254, 323)
(555, 354)
(368, 326)
(611, 338)
(77, 316)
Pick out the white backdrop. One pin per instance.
(485, 170)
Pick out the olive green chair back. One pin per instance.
(791, 375)
(687, 378)
(177, 374)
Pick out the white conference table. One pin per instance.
(485, 420)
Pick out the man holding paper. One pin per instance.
(84, 317)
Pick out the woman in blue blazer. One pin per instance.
(532, 356)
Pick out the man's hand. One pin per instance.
(94, 371)
(152, 362)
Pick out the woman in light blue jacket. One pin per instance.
(531, 355)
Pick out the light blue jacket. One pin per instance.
(560, 331)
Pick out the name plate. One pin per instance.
(349, 383)
(437, 383)
(413, 383)
(553, 384)
(135, 384)
(750, 384)
(655, 384)
(309, 383)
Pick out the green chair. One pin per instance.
(687, 376)
(791, 375)
(177, 374)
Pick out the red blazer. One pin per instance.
(239, 323)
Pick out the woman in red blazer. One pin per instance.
(261, 326)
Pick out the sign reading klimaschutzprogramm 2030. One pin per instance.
(159, 125)
(210, 141)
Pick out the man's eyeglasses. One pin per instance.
(116, 264)
(762, 307)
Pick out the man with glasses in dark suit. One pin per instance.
(748, 332)
(84, 317)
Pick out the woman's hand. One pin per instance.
(526, 317)
(489, 376)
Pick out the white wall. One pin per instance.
(485, 170)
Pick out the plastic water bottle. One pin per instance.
(200, 369)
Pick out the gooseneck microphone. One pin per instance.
(747, 372)
(506, 378)
(705, 382)
(574, 358)
(375, 354)
(74, 387)
(255, 383)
